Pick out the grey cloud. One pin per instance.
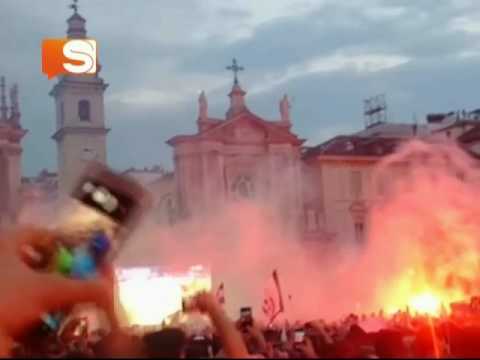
(228, 14)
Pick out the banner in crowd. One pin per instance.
(273, 300)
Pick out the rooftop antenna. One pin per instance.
(375, 110)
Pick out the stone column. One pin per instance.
(10, 182)
(4, 188)
(15, 179)
(214, 182)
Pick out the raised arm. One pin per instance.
(231, 339)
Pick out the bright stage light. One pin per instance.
(426, 303)
(148, 296)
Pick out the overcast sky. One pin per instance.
(328, 55)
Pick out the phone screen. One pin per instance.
(246, 318)
(245, 312)
(299, 336)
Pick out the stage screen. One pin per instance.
(147, 295)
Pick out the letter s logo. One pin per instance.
(84, 51)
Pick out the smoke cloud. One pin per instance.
(423, 236)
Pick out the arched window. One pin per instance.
(359, 233)
(170, 209)
(356, 184)
(243, 187)
(167, 210)
(311, 219)
(84, 110)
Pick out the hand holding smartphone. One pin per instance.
(246, 318)
(299, 336)
(104, 209)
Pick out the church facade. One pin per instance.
(240, 156)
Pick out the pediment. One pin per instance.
(247, 131)
(248, 128)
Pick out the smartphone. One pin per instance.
(106, 204)
(246, 318)
(299, 336)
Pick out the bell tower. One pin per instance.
(80, 117)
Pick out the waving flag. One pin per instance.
(220, 295)
(273, 302)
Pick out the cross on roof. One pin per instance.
(235, 68)
(74, 6)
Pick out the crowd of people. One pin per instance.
(27, 294)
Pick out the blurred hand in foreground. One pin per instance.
(204, 302)
(27, 294)
(306, 348)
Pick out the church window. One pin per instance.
(312, 220)
(167, 211)
(243, 187)
(381, 187)
(170, 210)
(84, 110)
(356, 184)
(340, 177)
(359, 233)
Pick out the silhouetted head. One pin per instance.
(165, 344)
